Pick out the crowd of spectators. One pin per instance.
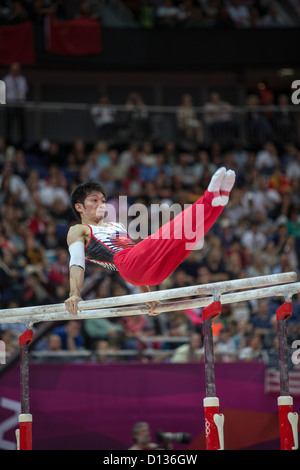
(258, 233)
(163, 14)
(19, 11)
(183, 14)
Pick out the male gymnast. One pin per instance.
(153, 259)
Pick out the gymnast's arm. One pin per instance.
(76, 240)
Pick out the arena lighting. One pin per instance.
(215, 294)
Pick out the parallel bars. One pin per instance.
(258, 287)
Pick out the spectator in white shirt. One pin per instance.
(104, 117)
(167, 14)
(16, 94)
(253, 239)
(267, 158)
(239, 14)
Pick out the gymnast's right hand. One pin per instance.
(72, 304)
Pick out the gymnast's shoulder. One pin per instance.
(78, 232)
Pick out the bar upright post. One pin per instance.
(214, 421)
(24, 436)
(288, 420)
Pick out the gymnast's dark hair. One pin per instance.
(82, 191)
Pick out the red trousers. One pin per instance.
(153, 259)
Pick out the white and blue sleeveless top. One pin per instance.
(105, 241)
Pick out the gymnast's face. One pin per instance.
(93, 208)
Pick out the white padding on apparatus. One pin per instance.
(210, 401)
(77, 254)
(285, 401)
(25, 418)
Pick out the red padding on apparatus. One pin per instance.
(211, 310)
(25, 337)
(284, 311)
(26, 435)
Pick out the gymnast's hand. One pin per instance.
(72, 304)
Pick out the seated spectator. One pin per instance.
(111, 185)
(268, 337)
(189, 126)
(255, 17)
(116, 170)
(293, 223)
(278, 181)
(273, 18)
(71, 336)
(18, 13)
(291, 250)
(284, 121)
(38, 221)
(147, 157)
(54, 342)
(4, 13)
(257, 266)
(10, 338)
(104, 117)
(214, 14)
(167, 14)
(253, 239)
(218, 116)
(191, 15)
(202, 163)
(79, 153)
(11, 278)
(215, 263)
(102, 154)
(130, 156)
(14, 183)
(179, 324)
(254, 350)
(243, 331)
(272, 356)
(261, 318)
(85, 11)
(191, 351)
(133, 330)
(259, 128)
(52, 155)
(267, 158)
(20, 165)
(53, 345)
(50, 239)
(34, 253)
(137, 117)
(37, 290)
(59, 270)
(103, 328)
(204, 276)
(55, 188)
(105, 352)
(225, 347)
(239, 13)
(38, 9)
(184, 170)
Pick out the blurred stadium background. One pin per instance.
(149, 97)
